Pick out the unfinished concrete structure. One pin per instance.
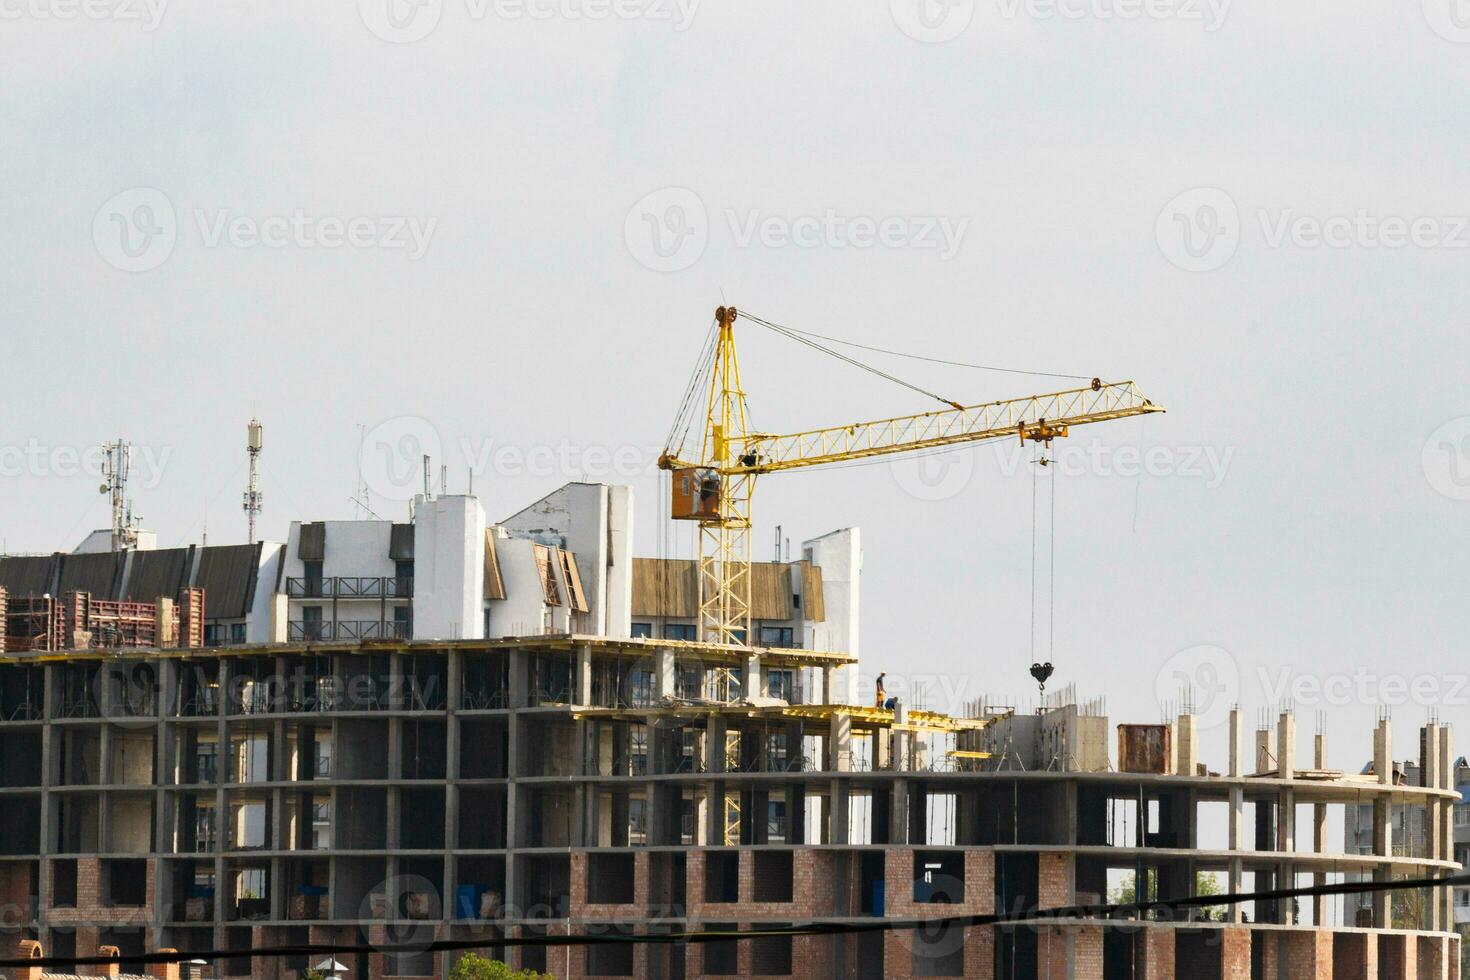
(400, 791)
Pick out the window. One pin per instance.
(311, 622)
(237, 632)
(637, 822)
(214, 634)
(403, 577)
(401, 623)
(781, 684)
(775, 636)
(680, 631)
(688, 683)
(1462, 815)
(642, 689)
(642, 630)
(776, 821)
(311, 572)
(638, 750)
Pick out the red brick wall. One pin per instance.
(1355, 956)
(1309, 954)
(89, 907)
(1054, 880)
(1158, 954)
(1235, 954)
(1431, 958)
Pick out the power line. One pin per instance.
(1130, 912)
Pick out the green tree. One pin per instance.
(312, 973)
(473, 966)
(1205, 885)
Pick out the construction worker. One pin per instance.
(879, 702)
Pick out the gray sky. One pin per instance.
(1256, 211)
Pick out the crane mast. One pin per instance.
(716, 489)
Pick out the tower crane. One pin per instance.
(714, 485)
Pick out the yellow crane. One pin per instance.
(716, 488)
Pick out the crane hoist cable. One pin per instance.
(800, 339)
(938, 360)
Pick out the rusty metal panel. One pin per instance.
(1144, 748)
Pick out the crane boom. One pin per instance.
(717, 488)
(1035, 418)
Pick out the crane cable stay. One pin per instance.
(713, 484)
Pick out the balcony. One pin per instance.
(305, 630)
(350, 587)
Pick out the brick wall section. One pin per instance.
(89, 907)
(979, 945)
(1053, 880)
(1431, 958)
(583, 909)
(1309, 954)
(1052, 943)
(1355, 956)
(898, 892)
(1158, 954)
(1087, 953)
(1235, 954)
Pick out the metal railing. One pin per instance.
(351, 587)
(346, 629)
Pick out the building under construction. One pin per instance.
(385, 734)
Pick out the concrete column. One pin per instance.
(1447, 820)
(829, 685)
(1265, 751)
(1237, 743)
(1188, 745)
(898, 813)
(582, 696)
(1236, 842)
(1383, 752)
(840, 744)
(715, 730)
(839, 811)
(755, 685)
(1286, 746)
(663, 678)
(1429, 778)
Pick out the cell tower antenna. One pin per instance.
(116, 464)
(254, 499)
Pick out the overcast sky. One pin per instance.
(498, 231)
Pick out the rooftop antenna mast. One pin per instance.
(116, 464)
(253, 497)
